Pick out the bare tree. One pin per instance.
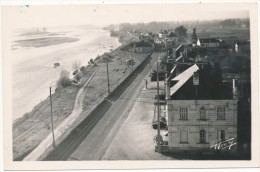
(76, 65)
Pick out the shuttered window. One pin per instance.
(202, 113)
(183, 113)
(220, 113)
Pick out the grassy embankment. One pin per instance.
(34, 126)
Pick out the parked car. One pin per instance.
(163, 123)
(166, 131)
(156, 140)
(161, 97)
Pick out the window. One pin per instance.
(202, 113)
(184, 136)
(221, 135)
(184, 113)
(221, 113)
(202, 136)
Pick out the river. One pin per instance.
(32, 68)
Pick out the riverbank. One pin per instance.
(32, 128)
(33, 68)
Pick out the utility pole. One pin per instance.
(108, 85)
(158, 112)
(52, 121)
(166, 85)
(132, 63)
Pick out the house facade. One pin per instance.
(140, 47)
(200, 124)
(208, 42)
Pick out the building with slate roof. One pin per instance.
(202, 110)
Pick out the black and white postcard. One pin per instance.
(121, 85)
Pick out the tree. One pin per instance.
(76, 65)
(194, 36)
(181, 32)
(91, 61)
(64, 80)
(83, 69)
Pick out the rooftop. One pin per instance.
(210, 85)
(171, 34)
(179, 47)
(208, 40)
(141, 44)
(183, 78)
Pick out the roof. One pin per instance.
(178, 47)
(208, 40)
(173, 69)
(178, 58)
(141, 44)
(171, 34)
(182, 78)
(210, 85)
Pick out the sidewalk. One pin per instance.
(134, 140)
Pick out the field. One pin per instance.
(224, 33)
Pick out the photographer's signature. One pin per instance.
(224, 144)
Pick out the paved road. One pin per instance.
(97, 141)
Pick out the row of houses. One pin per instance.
(161, 40)
(167, 39)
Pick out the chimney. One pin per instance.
(235, 96)
(196, 78)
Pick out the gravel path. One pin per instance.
(63, 127)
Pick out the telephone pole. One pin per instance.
(158, 112)
(52, 121)
(132, 63)
(108, 85)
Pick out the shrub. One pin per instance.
(95, 64)
(83, 69)
(64, 80)
(78, 77)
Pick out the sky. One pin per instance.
(105, 14)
